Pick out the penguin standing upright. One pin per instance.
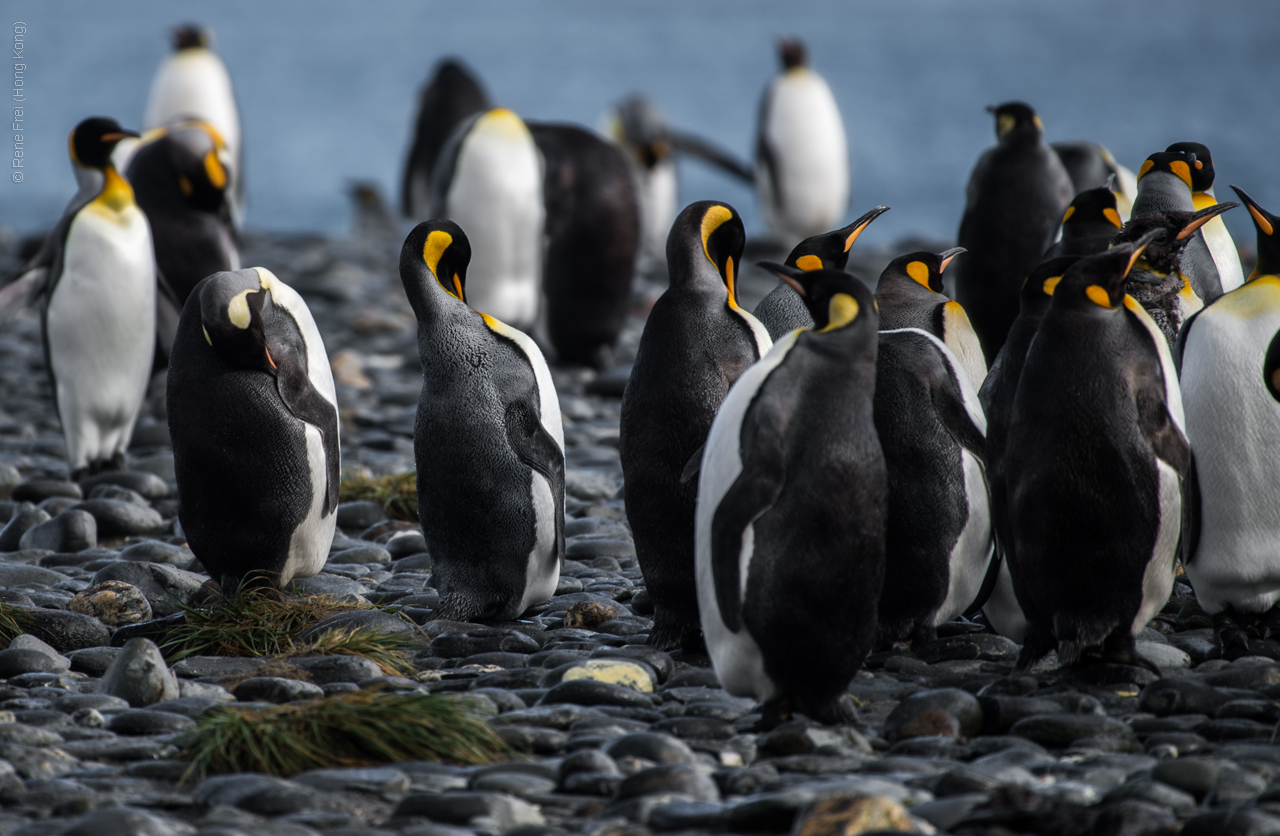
(696, 342)
(192, 83)
(938, 537)
(488, 440)
(254, 422)
(97, 274)
(802, 157)
(180, 180)
(488, 179)
(909, 295)
(592, 234)
(1091, 166)
(1088, 225)
(1230, 389)
(782, 310)
(1216, 237)
(1015, 200)
(1165, 185)
(1095, 463)
(452, 96)
(791, 511)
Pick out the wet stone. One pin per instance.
(361, 779)
(25, 518)
(984, 646)
(651, 746)
(1241, 822)
(70, 531)
(1180, 696)
(114, 603)
(256, 793)
(14, 662)
(360, 515)
(147, 485)
(116, 518)
(93, 660)
(139, 675)
(1061, 730)
(166, 588)
(452, 645)
(275, 689)
(67, 631)
(143, 722)
(904, 720)
(667, 778)
(38, 490)
(485, 811)
(361, 555)
(155, 551)
(328, 669)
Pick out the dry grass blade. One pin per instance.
(361, 728)
(13, 621)
(386, 650)
(398, 493)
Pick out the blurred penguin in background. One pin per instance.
(1091, 166)
(453, 95)
(802, 156)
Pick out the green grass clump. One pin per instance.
(397, 492)
(359, 728)
(13, 621)
(386, 650)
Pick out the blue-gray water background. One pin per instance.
(327, 89)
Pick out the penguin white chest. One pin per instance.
(496, 196)
(100, 327)
(195, 83)
(808, 190)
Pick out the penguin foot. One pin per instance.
(773, 713)
(671, 631)
(1120, 649)
(838, 712)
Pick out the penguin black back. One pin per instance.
(1089, 224)
(782, 310)
(592, 234)
(451, 96)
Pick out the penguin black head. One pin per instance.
(1268, 227)
(1202, 168)
(1038, 288)
(836, 300)
(93, 140)
(1016, 118)
(1163, 255)
(639, 126)
(234, 309)
(1177, 163)
(1093, 206)
(830, 250)
(712, 230)
(190, 36)
(793, 53)
(437, 252)
(188, 160)
(922, 267)
(1097, 281)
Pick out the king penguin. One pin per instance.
(1216, 237)
(696, 342)
(782, 310)
(1015, 200)
(452, 96)
(1230, 389)
(254, 422)
(1088, 225)
(592, 235)
(488, 440)
(932, 431)
(488, 179)
(1091, 166)
(1164, 185)
(1095, 464)
(192, 83)
(802, 156)
(97, 274)
(791, 511)
(909, 295)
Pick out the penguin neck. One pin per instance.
(431, 303)
(116, 194)
(694, 273)
(843, 345)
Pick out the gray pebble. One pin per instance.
(275, 689)
(155, 551)
(25, 518)
(255, 793)
(147, 485)
(116, 518)
(166, 588)
(360, 515)
(144, 722)
(327, 669)
(139, 675)
(363, 779)
(18, 661)
(38, 490)
(67, 631)
(69, 531)
(486, 811)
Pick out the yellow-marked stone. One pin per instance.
(851, 816)
(613, 671)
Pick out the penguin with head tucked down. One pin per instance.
(791, 511)
(909, 295)
(192, 83)
(1095, 464)
(1015, 200)
(782, 310)
(697, 341)
(1165, 185)
(254, 422)
(1227, 356)
(1226, 258)
(97, 274)
(488, 440)
(1091, 166)
(452, 96)
(802, 156)
(1088, 225)
(489, 179)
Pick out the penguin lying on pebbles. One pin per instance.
(488, 440)
(696, 342)
(782, 310)
(1095, 465)
(452, 96)
(97, 273)
(1230, 387)
(254, 422)
(791, 511)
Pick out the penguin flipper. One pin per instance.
(753, 493)
(534, 446)
(1190, 538)
(692, 467)
(695, 146)
(168, 312)
(949, 404)
(307, 404)
(1180, 342)
(20, 293)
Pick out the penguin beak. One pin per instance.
(1141, 245)
(947, 256)
(787, 274)
(1203, 217)
(116, 136)
(861, 224)
(1259, 216)
(270, 362)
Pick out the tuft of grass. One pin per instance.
(13, 622)
(360, 728)
(386, 650)
(398, 493)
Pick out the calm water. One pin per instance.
(327, 89)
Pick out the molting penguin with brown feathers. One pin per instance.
(697, 341)
(1015, 200)
(1165, 185)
